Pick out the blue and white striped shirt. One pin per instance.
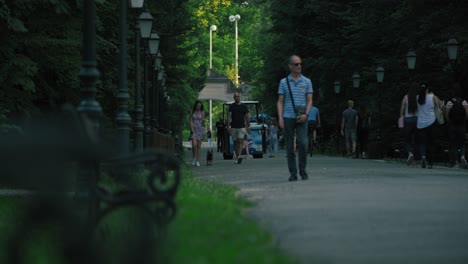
(299, 90)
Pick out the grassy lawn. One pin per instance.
(210, 227)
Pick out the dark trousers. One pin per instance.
(426, 143)
(291, 129)
(409, 131)
(219, 142)
(456, 141)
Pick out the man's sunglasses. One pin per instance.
(296, 64)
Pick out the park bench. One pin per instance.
(63, 168)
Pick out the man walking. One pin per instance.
(294, 104)
(238, 126)
(348, 128)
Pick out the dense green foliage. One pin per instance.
(40, 52)
(337, 38)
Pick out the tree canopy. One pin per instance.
(41, 44)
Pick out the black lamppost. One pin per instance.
(161, 74)
(153, 44)
(452, 51)
(142, 28)
(145, 35)
(411, 61)
(380, 77)
(157, 68)
(337, 89)
(89, 109)
(356, 82)
(123, 118)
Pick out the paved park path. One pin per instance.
(354, 210)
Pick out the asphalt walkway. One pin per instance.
(354, 210)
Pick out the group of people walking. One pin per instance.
(298, 120)
(419, 109)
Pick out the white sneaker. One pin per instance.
(198, 164)
(193, 162)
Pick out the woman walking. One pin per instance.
(273, 146)
(197, 120)
(426, 121)
(409, 110)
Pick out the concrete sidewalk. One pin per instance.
(354, 210)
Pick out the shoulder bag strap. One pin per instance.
(290, 94)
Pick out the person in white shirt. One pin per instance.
(426, 121)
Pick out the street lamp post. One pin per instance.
(356, 83)
(153, 44)
(141, 27)
(146, 24)
(452, 51)
(123, 118)
(380, 77)
(235, 19)
(89, 109)
(159, 69)
(160, 108)
(411, 61)
(212, 28)
(356, 80)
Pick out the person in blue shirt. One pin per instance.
(313, 123)
(293, 105)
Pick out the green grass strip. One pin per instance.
(211, 227)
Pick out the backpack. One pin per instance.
(457, 114)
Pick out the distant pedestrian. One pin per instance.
(209, 137)
(456, 115)
(238, 126)
(426, 122)
(249, 147)
(294, 104)
(409, 110)
(197, 119)
(220, 134)
(349, 123)
(313, 122)
(273, 138)
(364, 129)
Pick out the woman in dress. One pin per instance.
(409, 110)
(426, 121)
(197, 120)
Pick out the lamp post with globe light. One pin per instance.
(235, 19)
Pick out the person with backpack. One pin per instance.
(456, 114)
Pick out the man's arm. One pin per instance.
(228, 125)
(247, 122)
(309, 104)
(342, 125)
(279, 107)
